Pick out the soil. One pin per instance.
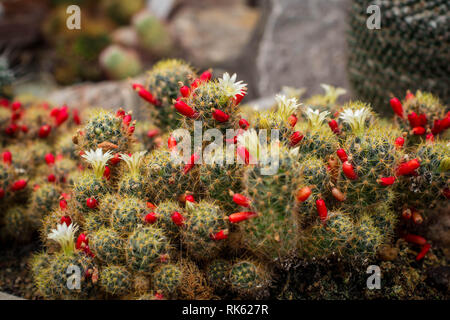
(15, 275)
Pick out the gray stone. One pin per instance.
(215, 34)
(7, 296)
(161, 9)
(304, 45)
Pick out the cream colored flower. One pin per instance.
(315, 118)
(64, 235)
(134, 161)
(98, 160)
(229, 85)
(286, 107)
(355, 119)
(333, 93)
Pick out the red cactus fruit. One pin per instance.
(241, 200)
(241, 216)
(349, 171)
(334, 126)
(322, 210)
(244, 124)
(303, 194)
(107, 173)
(292, 120)
(386, 181)
(65, 219)
(337, 194)
(19, 185)
(191, 163)
(417, 217)
(51, 178)
(44, 131)
(399, 142)
(183, 108)
(76, 117)
(244, 154)
(413, 238)
(49, 159)
(238, 98)
(151, 217)
(115, 160)
(426, 247)
(177, 218)
(91, 203)
(82, 241)
(206, 76)
(408, 167)
(295, 138)
(418, 131)
(221, 235)
(396, 106)
(63, 204)
(171, 143)
(7, 157)
(342, 155)
(152, 133)
(219, 115)
(413, 119)
(185, 91)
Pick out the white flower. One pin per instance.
(355, 119)
(98, 160)
(252, 142)
(292, 92)
(315, 118)
(133, 162)
(229, 85)
(286, 107)
(333, 92)
(64, 235)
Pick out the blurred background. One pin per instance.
(270, 44)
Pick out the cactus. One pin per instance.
(326, 101)
(127, 214)
(108, 246)
(166, 279)
(217, 273)
(120, 63)
(164, 212)
(115, 280)
(203, 221)
(132, 183)
(44, 198)
(153, 34)
(412, 56)
(146, 247)
(163, 85)
(248, 278)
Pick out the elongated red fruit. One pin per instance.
(418, 131)
(342, 155)
(76, 117)
(337, 194)
(408, 167)
(189, 198)
(295, 138)
(386, 181)
(238, 98)
(426, 247)
(185, 110)
(7, 157)
(241, 216)
(151, 217)
(220, 116)
(51, 178)
(62, 116)
(413, 238)
(349, 171)
(399, 142)
(241, 200)
(145, 94)
(334, 126)
(115, 160)
(397, 107)
(63, 205)
(19, 185)
(413, 119)
(206, 76)
(91, 203)
(422, 119)
(185, 91)
(221, 235)
(322, 209)
(244, 124)
(191, 163)
(292, 120)
(177, 218)
(107, 173)
(430, 138)
(303, 194)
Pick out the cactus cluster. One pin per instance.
(337, 188)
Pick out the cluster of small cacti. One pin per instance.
(37, 165)
(140, 224)
(406, 51)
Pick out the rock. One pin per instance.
(125, 36)
(304, 45)
(213, 35)
(161, 9)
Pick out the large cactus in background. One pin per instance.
(408, 52)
